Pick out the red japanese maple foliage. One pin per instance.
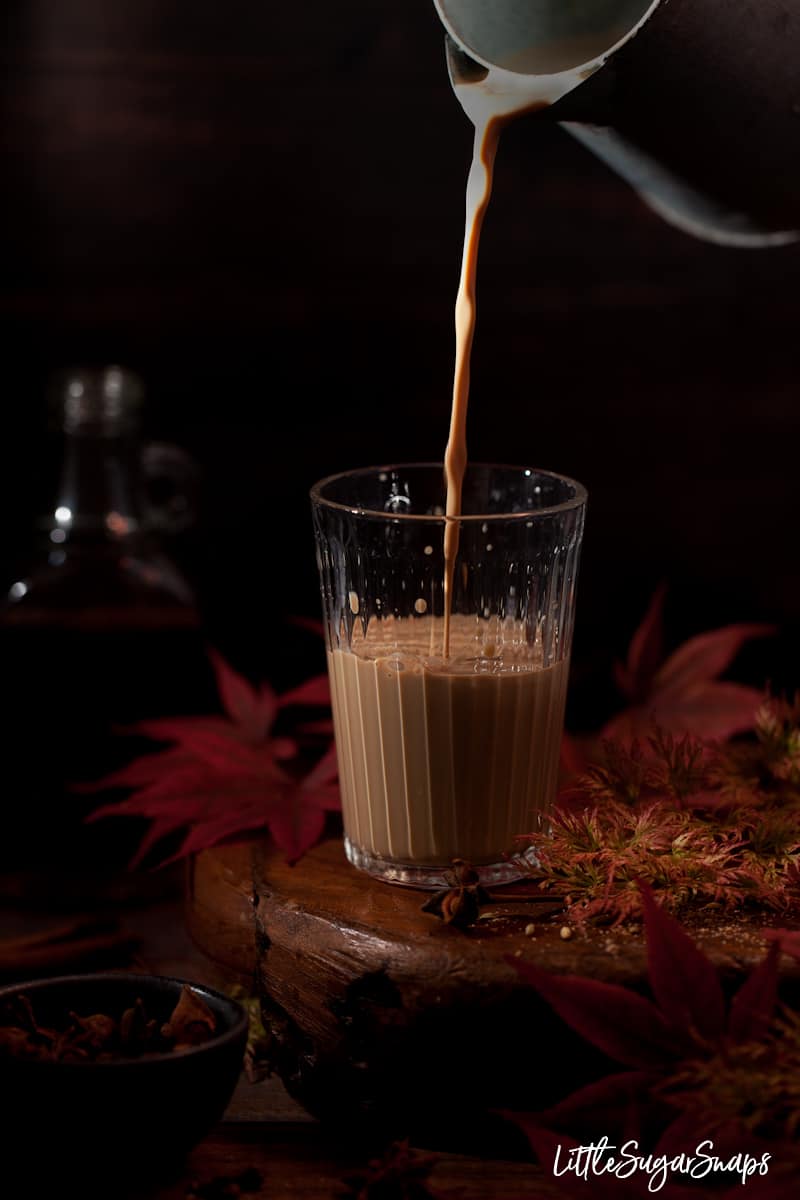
(681, 693)
(687, 1021)
(224, 776)
(788, 939)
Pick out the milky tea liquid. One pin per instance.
(443, 758)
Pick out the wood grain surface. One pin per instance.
(369, 1000)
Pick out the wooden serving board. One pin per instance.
(379, 1012)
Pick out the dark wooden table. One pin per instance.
(263, 1130)
(304, 935)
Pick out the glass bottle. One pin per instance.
(98, 631)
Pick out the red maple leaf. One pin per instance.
(552, 1151)
(226, 776)
(683, 693)
(787, 939)
(686, 1019)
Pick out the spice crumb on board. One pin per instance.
(565, 933)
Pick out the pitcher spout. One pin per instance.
(660, 90)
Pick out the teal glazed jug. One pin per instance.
(696, 103)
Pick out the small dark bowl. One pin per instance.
(127, 1113)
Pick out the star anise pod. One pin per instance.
(400, 1174)
(459, 905)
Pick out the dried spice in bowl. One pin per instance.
(117, 1071)
(101, 1037)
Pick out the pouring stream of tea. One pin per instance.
(490, 99)
(479, 190)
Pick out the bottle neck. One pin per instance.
(98, 495)
(101, 570)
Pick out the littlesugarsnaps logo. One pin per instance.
(625, 1162)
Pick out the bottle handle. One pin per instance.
(171, 481)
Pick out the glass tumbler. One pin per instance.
(455, 755)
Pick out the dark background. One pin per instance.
(259, 207)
